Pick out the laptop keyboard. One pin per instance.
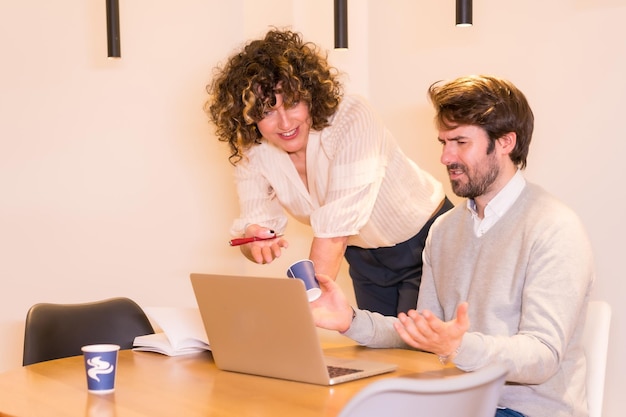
(335, 371)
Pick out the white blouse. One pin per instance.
(361, 184)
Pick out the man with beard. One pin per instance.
(506, 276)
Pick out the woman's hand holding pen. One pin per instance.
(263, 245)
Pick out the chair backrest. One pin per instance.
(596, 344)
(474, 394)
(55, 331)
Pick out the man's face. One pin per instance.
(472, 170)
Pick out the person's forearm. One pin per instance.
(327, 255)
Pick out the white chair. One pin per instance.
(474, 394)
(596, 343)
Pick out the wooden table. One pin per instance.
(151, 384)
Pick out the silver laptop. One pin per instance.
(264, 326)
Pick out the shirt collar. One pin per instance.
(504, 199)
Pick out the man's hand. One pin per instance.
(331, 311)
(427, 332)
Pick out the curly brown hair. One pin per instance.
(246, 86)
(492, 103)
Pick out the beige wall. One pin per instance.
(111, 183)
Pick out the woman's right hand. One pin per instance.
(263, 251)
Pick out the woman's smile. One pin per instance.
(290, 135)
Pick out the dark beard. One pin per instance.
(475, 186)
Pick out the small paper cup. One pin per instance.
(100, 367)
(304, 271)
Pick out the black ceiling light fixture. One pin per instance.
(463, 13)
(113, 29)
(341, 24)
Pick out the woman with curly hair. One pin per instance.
(298, 145)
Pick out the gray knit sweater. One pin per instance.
(527, 281)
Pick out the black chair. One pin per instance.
(55, 331)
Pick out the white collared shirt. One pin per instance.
(498, 206)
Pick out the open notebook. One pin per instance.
(264, 326)
(182, 332)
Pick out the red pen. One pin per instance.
(244, 240)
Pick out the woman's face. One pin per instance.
(286, 128)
